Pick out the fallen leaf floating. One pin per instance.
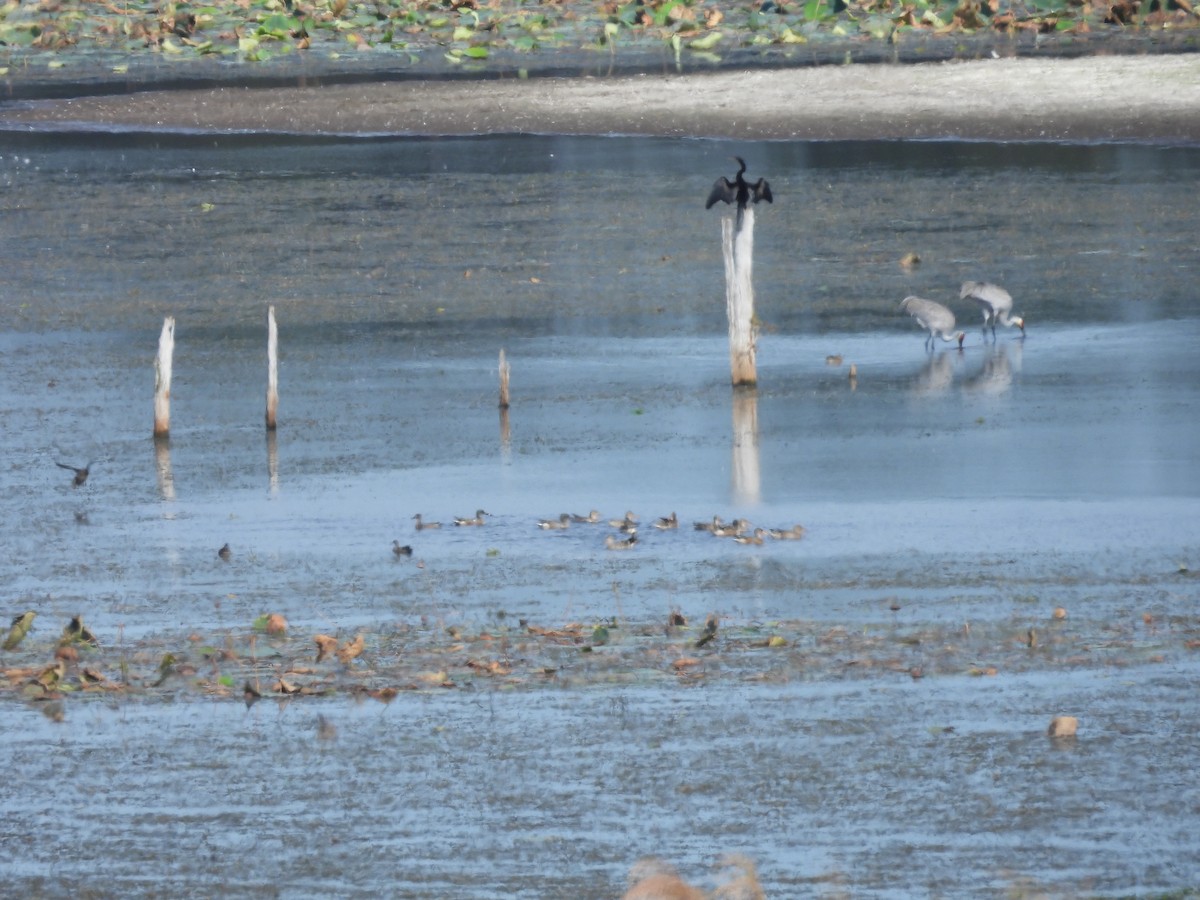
(77, 633)
(325, 646)
(20, 627)
(250, 694)
(351, 649)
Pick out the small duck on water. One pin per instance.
(422, 525)
(401, 550)
(787, 534)
(667, 522)
(477, 520)
(590, 519)
(563, 521)
(736, 528)
(615, 543)
(754, 539)
(630, 521)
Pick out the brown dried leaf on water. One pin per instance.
(326, 645)
(978, 671)
(433, 677)
(250, 694)
(1063, 726)
(910, 261)
(351, 650)
(277, 625)
(685, 662)
(495, 667)
(67, 654)
(76, 632)
(90, 678)
(384, 695)
(283, 686)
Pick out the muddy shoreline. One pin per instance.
(1097, 99)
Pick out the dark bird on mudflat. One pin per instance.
(81, 475)
(739, 190)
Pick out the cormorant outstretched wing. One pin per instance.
(724, 190)
(762, 191)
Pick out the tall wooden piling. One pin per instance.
(504, 373)
(745, 470)
(737, 246)
(272, 368)
(162, 379)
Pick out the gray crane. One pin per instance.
(934, 318)
(995, 303)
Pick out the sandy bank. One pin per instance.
(1153, 98)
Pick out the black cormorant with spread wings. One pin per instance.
(739, 190)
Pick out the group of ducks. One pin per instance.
(627, 526)
(993, 301)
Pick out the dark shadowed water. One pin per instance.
(975, 490)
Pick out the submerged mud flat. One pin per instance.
(488, 740)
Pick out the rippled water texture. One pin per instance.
(973, 491)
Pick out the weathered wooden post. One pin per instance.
(162, 380)
(747, 476)
(737, 246)
(272, 368)
(504, 374)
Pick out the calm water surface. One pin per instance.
(983, 487)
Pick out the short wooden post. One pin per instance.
(504, 373)
(162, 379)
(272, 368)
(747, 476)
(737, 245)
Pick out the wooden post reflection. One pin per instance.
(162, 465)
(505, 436)
(747, 477)
(273, 460)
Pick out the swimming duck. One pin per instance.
(666, 522)
(787, 534)
(401, 550)
(563, 521)
(755, 539)
(630, 519)
(478, 520)
(710, 527)
(614, 543)
(590, 519)
(736, 528)
(421, 526)
(225, 552)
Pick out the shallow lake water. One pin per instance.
(955, 493)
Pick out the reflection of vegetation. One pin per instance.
(470, 30)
